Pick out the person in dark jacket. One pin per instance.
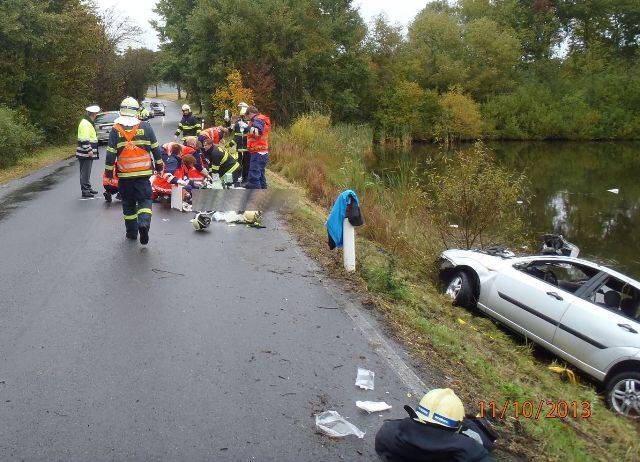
(430, 434)
(219, 161)
(189, 125)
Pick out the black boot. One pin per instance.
(93, 191)
(144, 235)
(107, 196)
(87, 195)
(132, 236)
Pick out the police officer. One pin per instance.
(188, 125)
(133, 145)
(87, 150)
(432, 432)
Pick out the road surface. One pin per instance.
(219, 345)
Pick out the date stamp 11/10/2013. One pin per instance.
(542, 409)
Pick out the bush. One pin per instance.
(474, 202)
(17, 137)
(459, 118)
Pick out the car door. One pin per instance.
(528, 296)
(602, 326)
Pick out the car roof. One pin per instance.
(108, 112)
(580, 261)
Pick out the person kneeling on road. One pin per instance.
(133, 145)
(220, 161)
(436, 431)
(110, 185)
(161, 187)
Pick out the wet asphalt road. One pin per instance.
(201, 346)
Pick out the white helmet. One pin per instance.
(93, 109)
(243, 108)
(441, 407)
(129, 107)
(201, 221)
(186, 107)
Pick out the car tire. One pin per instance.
(460, 289)
(623, 394)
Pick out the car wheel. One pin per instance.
(460, 289)
(623, 394)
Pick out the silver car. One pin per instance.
(585, 313)
(103, 123)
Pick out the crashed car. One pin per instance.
(585, 313)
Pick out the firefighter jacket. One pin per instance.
(136, 165)
(188, 126)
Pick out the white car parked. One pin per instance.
(585, 313)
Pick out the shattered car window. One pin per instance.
(567, 276)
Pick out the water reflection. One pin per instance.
(568, 186)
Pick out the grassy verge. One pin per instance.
(479, 361)
(35, 161)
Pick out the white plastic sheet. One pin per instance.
(365, 379)
(333, 424)
(373, 406)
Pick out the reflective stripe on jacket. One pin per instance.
(220, 161)
(87, 139)
(143, 139)
(189, 126)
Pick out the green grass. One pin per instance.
(395, 273)
(35, 161)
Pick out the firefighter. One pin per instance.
(220, 161)
(240, 129)
(432, 432)
(188, 126)
(133, 145)
(110, 185)
(257, 147)
(87, 150)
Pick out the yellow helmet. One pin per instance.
(441, 407)
(129, 107)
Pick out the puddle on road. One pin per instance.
(30, 191)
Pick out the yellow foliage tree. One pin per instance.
(230, 95)
(459, 118)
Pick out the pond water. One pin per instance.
(569, 183)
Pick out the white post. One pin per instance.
(176, 197)
(348, 245)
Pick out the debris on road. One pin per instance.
(364, 379)
(333, 424)
(373, 406)
(166, 273)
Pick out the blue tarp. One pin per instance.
(338, 214)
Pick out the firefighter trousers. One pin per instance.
(136, 203)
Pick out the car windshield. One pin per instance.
(108, 118)
(155, 104)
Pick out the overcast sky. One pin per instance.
(398, 11)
